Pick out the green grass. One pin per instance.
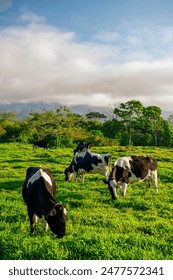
(138, 226)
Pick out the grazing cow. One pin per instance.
(41, 143)
(131, 169)
(86, 162)
(82, 147)
(39, 195)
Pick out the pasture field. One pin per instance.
(136, 227)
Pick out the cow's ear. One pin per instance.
(53, 212)
(105, 181)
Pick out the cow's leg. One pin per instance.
(124, 189)
(113, 189)
(45, 225)
(33, 220)
(107, 173)
(155, 180)
(70, 175)
(75, 176)
(83, 177)
(114, 195)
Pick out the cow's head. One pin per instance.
(82, 147)
(112, 186)
(112, 183)
(57, 220)
(68, 174)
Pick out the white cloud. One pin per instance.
(30, 17)
(41, 63)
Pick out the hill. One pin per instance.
(23, 109)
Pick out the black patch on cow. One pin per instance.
(122, 174)
(140, 165)
(86, 162)
(119, 173)
(107, 159)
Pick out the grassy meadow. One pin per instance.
(138, 226)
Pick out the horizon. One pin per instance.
(24, 109)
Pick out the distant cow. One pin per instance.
(82, 147)
(86, 162)
(41, 143)
(131, 169)
(39, 195)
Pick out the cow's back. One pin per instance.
(142, 165)
(38, 183)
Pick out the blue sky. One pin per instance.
(87, 51)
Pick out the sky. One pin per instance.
(87, 52)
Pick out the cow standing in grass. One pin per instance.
(86, 162)
(41, 144)
(39, 195)
(131, 169)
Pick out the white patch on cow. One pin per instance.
(70, 175)
(124, 189)
(46, 177)
(65, 211)
(153, 176)
(36, 219)
(123, 162)
(45, 225)
(36, 176)
(113, 183)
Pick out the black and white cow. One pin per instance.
(86, 162)
(39, 195)
(82, 147)
(41, 143)
(131, 169)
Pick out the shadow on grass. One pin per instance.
(73, 200)
(135, 205)
(11, 185)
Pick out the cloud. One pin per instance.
(5, 5)
(42, 63)
(107, 36)
(30, 17)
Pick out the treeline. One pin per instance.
(128, 123)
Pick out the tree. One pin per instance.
(95, 115)
(10, 126)
(113, 129)
(2, 130)
(153, 119)
(170, 120)
(127, 113)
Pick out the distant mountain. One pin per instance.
(22, 110)
(166, 114)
